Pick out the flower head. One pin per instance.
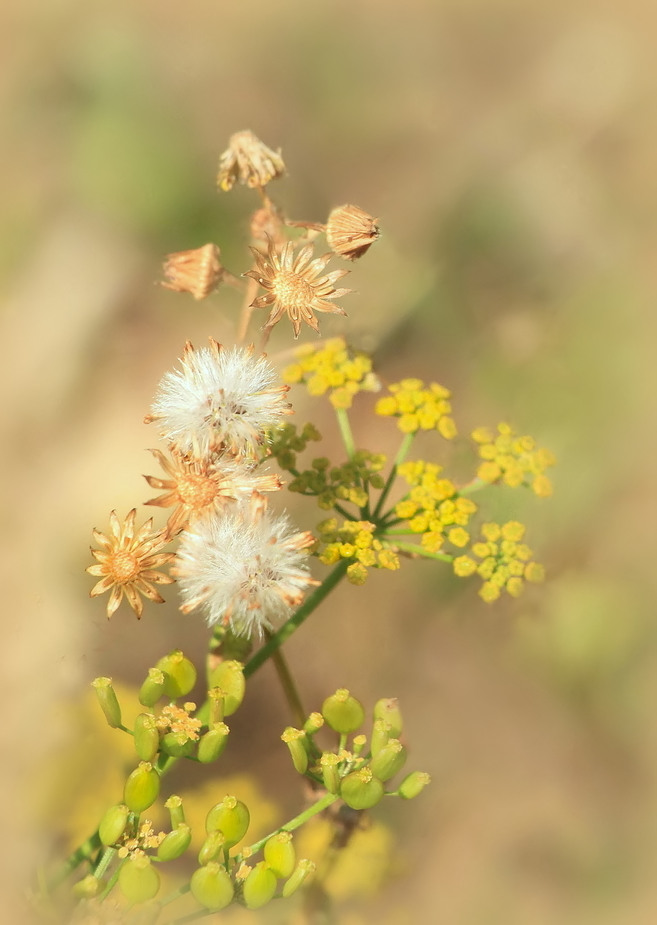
(244, 567)
(221, 399)
(127, 563)
(248, 160)
(199, 486)
(351, 231)
(196, 271)
(295, 285)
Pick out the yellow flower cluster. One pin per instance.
(418, 407)
(335, 368)
(513, 460)
(504, 561)
(433, 506)
(354, 539)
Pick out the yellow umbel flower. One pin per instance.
(505, 561)
(512, 459)
(419, 407)
(355, 539)
(333, 368)
(434, 507)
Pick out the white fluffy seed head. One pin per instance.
(219, 398)
(243, 566)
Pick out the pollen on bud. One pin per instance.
(387, 708)
(146, 736)
(304, 869)
(351, 231)
(198, 271)
(413, 785)
(211, 886)
(361, 790)
(179, 674)
(141, 788)
(231, 817)
(138, 879)
(229, 677)
(108, 701)
(295, 739)
(279, 853)
(313, 724)
(152, 688)
(259, 887)
(112, 825)
(389, 760)
(212, 743)
(175, 843)
(343, 712)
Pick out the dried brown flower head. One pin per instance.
(350, 231)
(295, 285)
(266, 224)
(127, 563)
(198, 486)
(250, 161)
(197, 271)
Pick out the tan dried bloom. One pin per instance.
(350, 231)
(295, 285)
(197, 271)
(266, 224)
(250, 161)
(127, 562)
(197, 486)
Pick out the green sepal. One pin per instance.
(343, 712)
(175, 843)
(112, 825)
(279, 853)
(141, 788)
(361, 790)
(259, 887)
(138, 879)
(108, 701)
(179, 674)
(231, 817)
(211, 886)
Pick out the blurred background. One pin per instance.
(508, 149)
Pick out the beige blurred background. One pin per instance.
(509, 150)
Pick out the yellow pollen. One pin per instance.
(292, 290)
(124, 566)
(197, 491)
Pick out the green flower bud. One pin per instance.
(211, 886)
(304, 869)
(329, 765)
(177, 744)
(176, 812)
(179, 674)
(259, 887)
(388, 709)
(389, 761)
(107, 700)
(279, 853)
(217, 701)
(152, 688)
(313, 724)
(295, 739)
(358, 744)
(212, 744)
(381, 732)
(229, 676)
(138, 879)
(413, 785)
(343, 712)
(141, 788)
(86, 888)
(211, 847)
(175, 843)
(361, 790)
(147, 737)
(112, 825)
(231, 817)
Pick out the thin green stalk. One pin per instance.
(402, 453)
(472, 487)
(83, 853)
(289, 687)
(416, 550)
(290, 826)
(345, 431)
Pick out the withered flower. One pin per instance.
(295, 285)
(196, 271)
(198, 486)
(350, 231)
(127, 563)
(250, 161)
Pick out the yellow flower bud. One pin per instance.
(175, 843)
(211, 886)
(229, 676)
(259, 887)
(413, 785)
(152, 688)
(304, 869)
(146, 736)
(141, 788)
(179, 674)
(295, 739)
(279, 853)
(107, 700)
(112, 825)
(231, 817)
(343, 712)
(211, 847)
(389, 761)
(361, 790)
(138, 879)
(212, 744)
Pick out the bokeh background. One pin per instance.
(509, 151)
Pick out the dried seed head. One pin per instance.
(350, 231)
(196, 271)
(250, 161)
(266, 225)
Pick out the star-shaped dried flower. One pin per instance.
(248, 160)
(197, 271)
(198, 486)
(127, 563)
(295, 285)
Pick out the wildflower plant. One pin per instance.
(228, 449)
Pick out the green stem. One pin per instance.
(416, 550)
(311, 603)
(402, 453)
(290, 826)
(345, 431)
(83, 853)
(288, 685)
(472, 487)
